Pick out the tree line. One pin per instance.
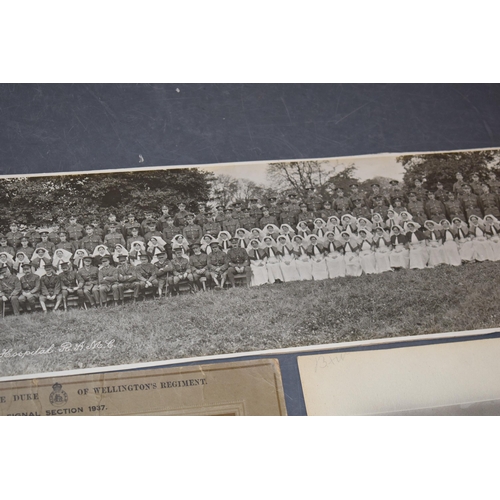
(35, 199)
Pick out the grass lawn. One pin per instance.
(272, 316)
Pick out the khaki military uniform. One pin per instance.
(470, 205)
(199, 267)
(10, 287)
(192, 233)
(128, 279)
(181, 270)
(238, 263)
(490, 204)
(113, 239)
(88, 282)
(75, 232)
(30, 290)
(14, 238)
(213, 228)
(108, 282)
(50, 285)
(435, 210)
(163, 268)
(69, 286)
(89, 243)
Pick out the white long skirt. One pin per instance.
(494, 242)
(466, 250)
(367, 261)
(418, 256)
(451, 253)
(482, 249)
(274, 270)
(399, 257)
(436, 254)
(289, 269)
(352, 264)
(259, 273)
(304, 268)
(318, 269)
(335, 265)
(382, 260)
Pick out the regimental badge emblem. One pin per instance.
(58, 397)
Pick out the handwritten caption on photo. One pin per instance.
(65, 347)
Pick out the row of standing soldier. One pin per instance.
(422, 204)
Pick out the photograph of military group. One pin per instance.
(173, 263)
(89, 257)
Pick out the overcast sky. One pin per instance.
(367, 167)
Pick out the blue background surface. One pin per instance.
(55, 128)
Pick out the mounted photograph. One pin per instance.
(121, 267)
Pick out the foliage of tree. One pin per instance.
(224, 189)
(227, 189)
(248, 189)
(298, 176)
(444, 167)
(95, 195)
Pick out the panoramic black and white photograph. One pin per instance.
(114, 268)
